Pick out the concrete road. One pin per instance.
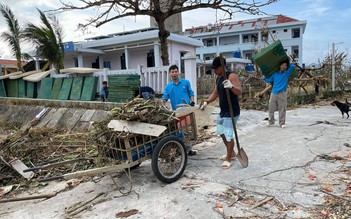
(295, 166)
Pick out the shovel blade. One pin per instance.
(242, 157)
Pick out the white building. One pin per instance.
(128, 50)
(242, 39)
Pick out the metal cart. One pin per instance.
(136, 142)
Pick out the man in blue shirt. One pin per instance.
(278, 99)
(178, 90)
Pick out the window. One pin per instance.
(296, 33)
(254, 38)
(285, 30)
(107, 64)
(209, 42)
(295, 51)
(76, 62)
(248, 56)
(274, 31)
(246, 39)
(150, 59)
(123, 61)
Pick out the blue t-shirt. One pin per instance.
(280, 79)
(177, 92)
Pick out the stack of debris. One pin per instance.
(123, 87)
(35, 147)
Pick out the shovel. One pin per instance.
(241, 155)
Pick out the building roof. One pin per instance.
(136, 37)
(244, 25)
(10, 63)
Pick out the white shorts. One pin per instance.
(225, 127)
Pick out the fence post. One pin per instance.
(190, 72)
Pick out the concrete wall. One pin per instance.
(174, 51)
(138, 57)
(114, 58)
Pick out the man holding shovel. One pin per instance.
(224, 122)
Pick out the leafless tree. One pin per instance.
(110, 10)
(342, 72)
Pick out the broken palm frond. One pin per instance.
(41, 145)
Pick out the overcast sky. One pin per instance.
(327, 21)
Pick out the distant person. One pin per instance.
(178, 90)
(145, 92)
(104, 92)
(209, 72)
(278, 99)
(224, 122)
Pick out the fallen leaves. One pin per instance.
(325, 212)
(124, 214)
(326, 189)
(312, 177)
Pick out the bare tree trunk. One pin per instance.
(163, 34)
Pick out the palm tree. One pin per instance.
(14, 35)
(48, 40)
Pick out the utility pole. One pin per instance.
(333, 66)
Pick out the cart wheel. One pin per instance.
(169, 159)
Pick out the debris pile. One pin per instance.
(44, 147)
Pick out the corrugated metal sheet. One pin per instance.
(22, 88)
(2, 89)
(76, 90)
(45, 88)
(89, 88)
(56, 88)
(65, 89)
(122, 87)
(31, 89)
(12, 87)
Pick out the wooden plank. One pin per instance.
(88, 114)
(136, 127)
(56, 88)
(12, 88)
(80, 70)
(89, 88)
(99, 115)
(46, 118)
(9, 75)
(65, 89)
(45, 88)
(19, 167)
(76, 88)
(2, 89)
(56, 118)
(72, 122)
(22, 88)
(38, 76)
(17, 76)
(30, 89)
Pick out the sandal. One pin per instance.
(223, 157)
(226, 165)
